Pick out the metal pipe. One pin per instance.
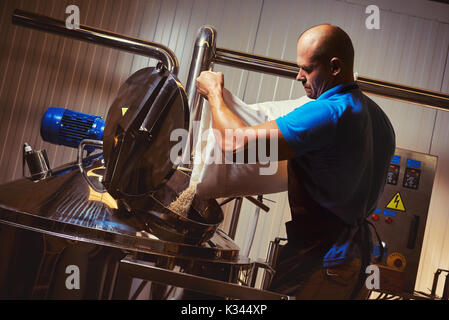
(79, 160)
(226, 201)
(445, 295)
(97, 36)
(256, 63)
(256, 265)
(289, 69)
(235, 217)
(203, 53)
(132, 268)
(435, 283)
(252, 233)
(427, 98)
(272, 257)
(258, 202)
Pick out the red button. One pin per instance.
(375, 217)
(388, 220)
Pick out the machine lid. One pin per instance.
(136, 142)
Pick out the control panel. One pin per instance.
(401, 215)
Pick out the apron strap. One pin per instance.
(366, 250)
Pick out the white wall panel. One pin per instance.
(410, 51)
(237, 31)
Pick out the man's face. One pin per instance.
(313, 74)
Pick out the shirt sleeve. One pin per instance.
(309, 127)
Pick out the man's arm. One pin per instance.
(235, 135)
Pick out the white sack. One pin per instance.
(227, 180)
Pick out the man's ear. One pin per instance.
(335, 66)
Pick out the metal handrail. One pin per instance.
(251, 62)
(98, 36)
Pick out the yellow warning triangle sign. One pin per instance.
(396, 203)
(124, 111)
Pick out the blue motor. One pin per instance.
(68, 128)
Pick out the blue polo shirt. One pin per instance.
(344, 143)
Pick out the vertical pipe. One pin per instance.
(445, 295)
(272, 253)
(235, 217)
(202, 57)
(203, 54)
(272, 257)
(435, 283)
(253, 228)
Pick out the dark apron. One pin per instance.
(312, 233)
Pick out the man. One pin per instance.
(338, 149)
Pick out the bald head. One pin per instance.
(326, 41)
(325, 58)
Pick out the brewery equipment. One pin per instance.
(105, 214)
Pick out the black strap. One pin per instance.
(366, 250)
(378, 240)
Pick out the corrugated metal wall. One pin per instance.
(38, 70)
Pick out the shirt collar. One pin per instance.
(338, 89)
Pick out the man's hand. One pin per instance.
(210, 83)
(234, 135)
